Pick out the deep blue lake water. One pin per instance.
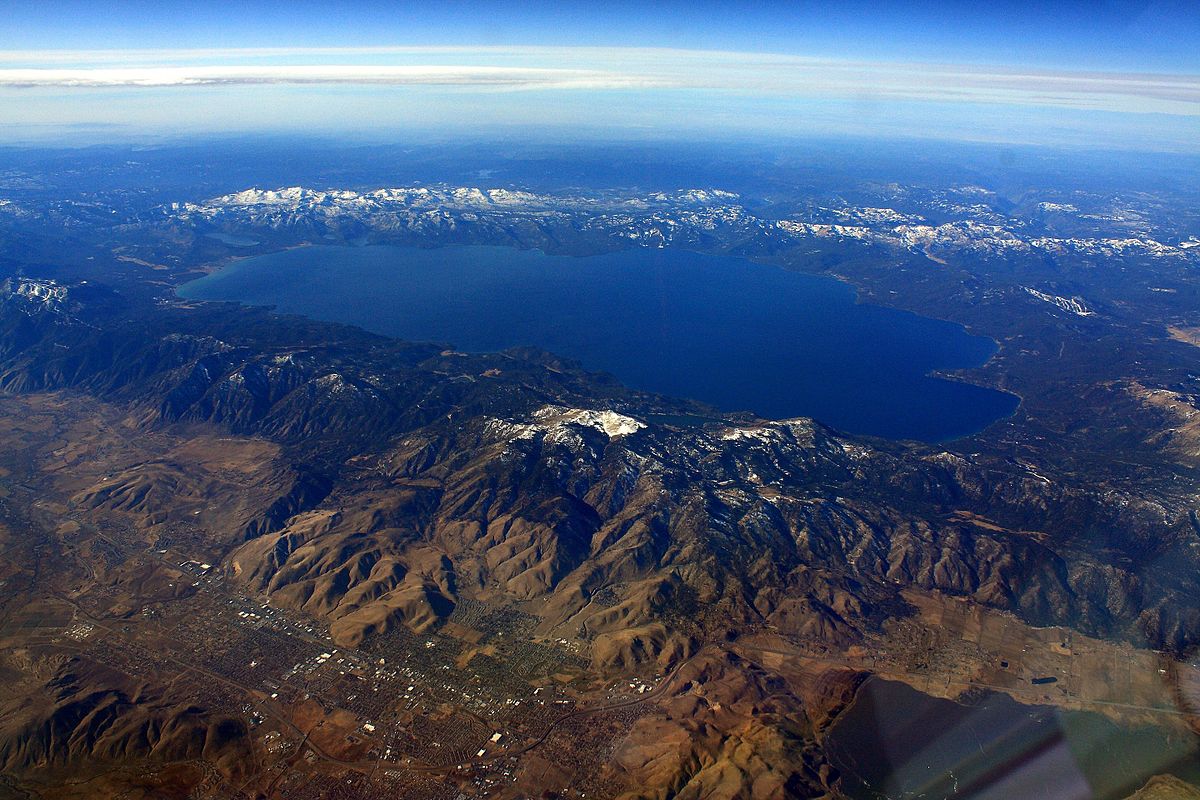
(723, 330)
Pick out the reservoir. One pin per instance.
(738, 335)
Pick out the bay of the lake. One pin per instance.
(738, 335)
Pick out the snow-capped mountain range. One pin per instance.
(656, 219)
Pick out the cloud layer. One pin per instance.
(400, 75)
(553, 68)
(572, 92)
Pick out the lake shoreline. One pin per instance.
(723, 330)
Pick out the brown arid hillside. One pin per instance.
(252, 556)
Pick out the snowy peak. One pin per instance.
(660, 219)
(35, 295)
(609, 422)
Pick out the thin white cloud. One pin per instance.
(585, 68)
(405, 75)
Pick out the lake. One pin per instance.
(738, 335)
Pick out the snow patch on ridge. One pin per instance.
(1072, 305)
(609, 422)
(560, 424)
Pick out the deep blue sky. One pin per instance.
(1126, 35)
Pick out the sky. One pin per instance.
(1117, 73)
